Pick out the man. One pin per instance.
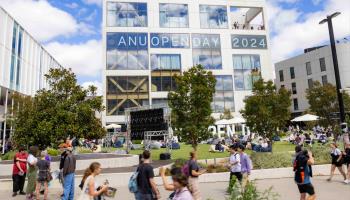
(235, 164)
(19, 171)
(246, 165)
(147, 189)
(69, 175)
(303, 173)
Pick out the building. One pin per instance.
(299, 73)
(23, 64)
(147, 42)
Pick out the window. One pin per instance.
(213, 16)
(292, 73)
(322, 64)
(160, 101)
(281, 75)
(294, 88)
(164, 68)
(247, 70)
(253, 22)
(295, 104)
(127, 51)
(308, 68)
(206, 50)
(173, 15)
(310, 83)
(324, 80)
(223, 98)
(126, 92)
(282, 86)
(126, 14)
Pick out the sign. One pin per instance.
(127, 41)
(248, 42)
(170, 40)
(206, 41)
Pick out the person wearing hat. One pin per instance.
(68, 172)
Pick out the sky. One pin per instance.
(71, 29)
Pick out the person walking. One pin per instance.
(246, 165)
(146, 186)
(336, 155)
(19, 171)
(69, 175)
(43, 175)
(303, 173)
(90, 189)
(235, 164)
(347, 162)
(32, 171)
(194, 173)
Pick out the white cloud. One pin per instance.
(44, 21)
(97, 84)
(97, 2)
(85, 59)
(91, 17)
(293, 35)
(72, 5)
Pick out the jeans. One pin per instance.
(68, 187)
(18, 182)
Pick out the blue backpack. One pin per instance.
(133, 182)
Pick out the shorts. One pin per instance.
(306, 188)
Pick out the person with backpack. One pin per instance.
(146, 186)
(246, 165)
(303, 173)
(191, 170)
(347, 161)
(337, 161)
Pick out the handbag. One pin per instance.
(49, 176)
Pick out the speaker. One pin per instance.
(164, 156)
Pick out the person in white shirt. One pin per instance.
(235, 163)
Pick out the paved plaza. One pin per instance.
(216, 191)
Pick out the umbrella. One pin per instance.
(237, 120)
(113, 126)
(222, 122)
(305, 118)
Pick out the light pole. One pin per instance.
(336, 68)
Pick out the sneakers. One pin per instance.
(346, 181)
(22, 193)
(14, 194)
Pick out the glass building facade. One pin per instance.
(148, 43)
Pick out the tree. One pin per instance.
(191, 104)
(267, 109)
(226, 115)
(58, 112)
(323, 101)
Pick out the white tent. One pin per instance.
(113, 126)
(237, 120)
(222, 122)
(305, 118)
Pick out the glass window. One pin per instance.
(223, 98)
(322, 64)
(247, 70)
(253, 22)
(126, 14)
(281, 75)
(294, 88)
(292, 72)
(126, 92)
(173, 15)
(295, 104)
(308, 68)
(324, 80)
(206, 50)
(310, 83)
(213, 16)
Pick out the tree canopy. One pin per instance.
(323, 101)
(65, 109)
(191, 104)
(267, 109)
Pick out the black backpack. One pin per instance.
(299, 165)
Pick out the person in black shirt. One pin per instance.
(147, 189)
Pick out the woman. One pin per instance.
(180, 185)
(347, 161)
(169, 186)
(19, 171)
(194, 173)
(32, 171)
(89, 186)
(336, 155)
(43, 176)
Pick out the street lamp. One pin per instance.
(336, 68)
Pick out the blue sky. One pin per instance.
(71, 29)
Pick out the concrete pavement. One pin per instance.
(285, 187)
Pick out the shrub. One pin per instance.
(321, 154)
(83, 150)
(136, 141)
(271, 160)
(53, 152)
(8, 156)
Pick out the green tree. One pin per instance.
(190, 104)
(267, 109)
(323, 101)
(53, 114)
(226, 114)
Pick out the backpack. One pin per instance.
(133, 182)
(186, 169)
(299, 168)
